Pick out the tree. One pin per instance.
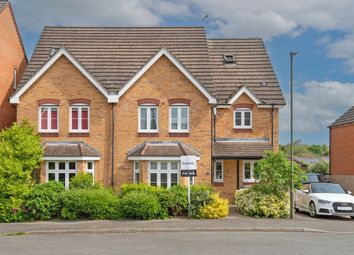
(321, 167)
(273, 172)
(20, 154)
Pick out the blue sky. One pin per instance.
(320, 30)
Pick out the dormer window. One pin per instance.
(229, 59)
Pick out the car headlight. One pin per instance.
(321, 201)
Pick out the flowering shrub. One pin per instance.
(217, 208)
(253, 203)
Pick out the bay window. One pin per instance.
(136, 172)
(148, 118)
(48, 118)
(243, 118)
(179, 118)
(79, 118)
(61, 171)
(90, 169)
(163, 174)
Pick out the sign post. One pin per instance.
(189, 169)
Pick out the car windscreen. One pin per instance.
(327, 188)
(312, 178)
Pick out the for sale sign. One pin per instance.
(188, 163)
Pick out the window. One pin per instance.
(229, 59)
(90, 169)
(48, 119)
(79, 118)
(163, 174)
(248, 171)
(136, 172)
(179, 118)
(148, 118)
(243, 118)
(219, 171)
(61, 171)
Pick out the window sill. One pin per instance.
(148, 134)
(43, 134)
(249, 181)
(79, 134)
(243, 130)
(221, 183)
(172, 134)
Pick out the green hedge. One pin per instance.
(83, 181)
(90, 204)
(44, 202)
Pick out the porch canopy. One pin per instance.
(69, 149)
(240, 148)
(161, 149)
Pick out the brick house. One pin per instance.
(341, 149)
(125, 103)
(12, 62)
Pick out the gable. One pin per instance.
(177, 64)
(244, 91)
(15, 99)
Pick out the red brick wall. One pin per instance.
(342, 150)
(11, 54)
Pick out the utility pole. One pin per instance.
(292, 55)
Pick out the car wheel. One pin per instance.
(352, 217)
(312, 209)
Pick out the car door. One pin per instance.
(306, 197)
(302, 197)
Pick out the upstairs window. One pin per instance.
(229, 59)
(243, 118)
(179, 118)
(48, 118)
(148, 118)
(79, 118)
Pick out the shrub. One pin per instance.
(217, 208)
(44, 201)
(251, 202)
(90, 204)
(321, 167)
(140, 205)
(83, 181)
(200, 195)
(20, 153)
(273, 172)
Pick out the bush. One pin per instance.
(200, 195)
(140, 205)
(251, 202)
(44, 201)
(83, 181)
(20, 153)
(218, 208)
(321, 167)
(89, 204)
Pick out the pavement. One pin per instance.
(234, 223)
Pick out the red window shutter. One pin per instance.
(84, 118)
(44, 118)
(54, 118)
(74, 118)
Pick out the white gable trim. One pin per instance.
(248, 93)
(162, 52)
(15, 99)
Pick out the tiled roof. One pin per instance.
(113, 55)
(3, 3)
(346, 118)
(69, 149)
(240, 149)
(162, 149)
(252, 68)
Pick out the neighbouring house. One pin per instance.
(12, 62)
(125, 103)
(341, 150)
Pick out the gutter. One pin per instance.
(273, 126)
(113, 145)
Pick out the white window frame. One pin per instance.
(222, 169)
(148, 118)
(179, 118)
(158, 171)
(136, 171)
(49, 119)
(252, 163)
(80, 107)
(91, 171)
(57, 171)
(242, 111)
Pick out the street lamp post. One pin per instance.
(292, 55)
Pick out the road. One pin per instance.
(189, 243)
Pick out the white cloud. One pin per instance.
(317, 106)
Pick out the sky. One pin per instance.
(321, 31)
